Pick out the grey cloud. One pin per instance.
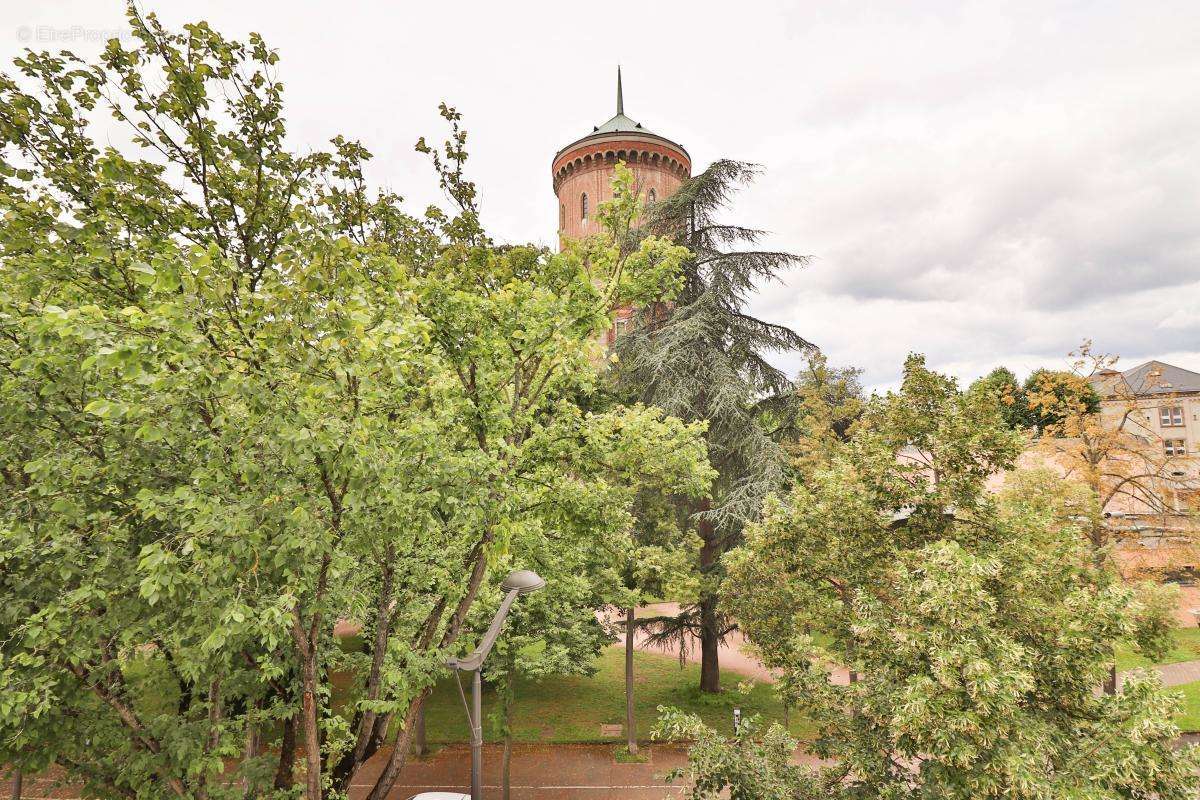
(985, 183)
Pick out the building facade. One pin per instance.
(1162, 401)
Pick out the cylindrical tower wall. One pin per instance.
(583, 175)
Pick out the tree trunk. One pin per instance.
(710, 654)
(710, 638)
(506, 766)
(285, 774)
(387, 779)
(1110, 682)
(851, 645)
(630, 722)
(252, 746)
(419, 734)
(312, 736)
(253, 741)
(18, 780)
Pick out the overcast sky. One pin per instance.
(987, 183)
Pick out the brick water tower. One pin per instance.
(583, 170)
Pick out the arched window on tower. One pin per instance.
(651, 197)
(562, 217)
(583, 207)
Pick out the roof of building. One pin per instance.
(619, 123)
(1151, 378)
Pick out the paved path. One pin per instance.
(1177, 674)
(734, 654)
(735, 658)
(539, 772)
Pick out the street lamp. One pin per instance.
(522, 581)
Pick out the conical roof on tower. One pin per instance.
(619, 123)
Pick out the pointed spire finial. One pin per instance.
(620, 97)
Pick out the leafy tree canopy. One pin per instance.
(1044, 401)
(977, 628)
(702, 357)
(828, 401)
(244, 396)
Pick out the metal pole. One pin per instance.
(476, 737)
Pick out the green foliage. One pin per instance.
(828, 401)
(1045, 399)
(978, 627)
(244, 396)
(702, 358)
(1054, 395)
(1002, 384)
(753, 764)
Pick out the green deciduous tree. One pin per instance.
(1042, 402)
(1054, 395)
(828, 401)
(552, 632)
(704, 358)
(977, 627)
(1002, 383)
(658, 561)
(244, 396)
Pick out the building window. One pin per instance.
(562, 217)
(1174, 447)
(583, 207)
(1170, 416)
(652, 197)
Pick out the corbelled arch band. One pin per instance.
(607, 157)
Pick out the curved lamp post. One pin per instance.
(522, 581)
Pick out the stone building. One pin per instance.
(1163, 402)
(1159, 404)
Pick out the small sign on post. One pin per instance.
(737, 720)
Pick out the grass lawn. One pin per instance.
(1189, 718)
(572, 709)
(1185, 648)
(553, 709)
